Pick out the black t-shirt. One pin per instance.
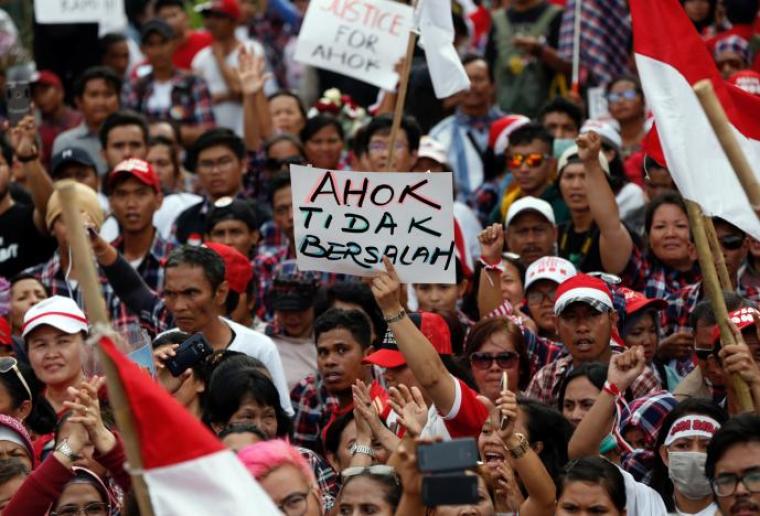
(21, 244)
(582, 249)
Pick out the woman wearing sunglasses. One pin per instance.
(21, 397)
(625, 101)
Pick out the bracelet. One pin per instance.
(395, 318)
(27, 159)
(521, 448)
(492, 267)
(612, 389)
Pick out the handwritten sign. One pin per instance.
(77, 11)
(347, 221)
(360, 38)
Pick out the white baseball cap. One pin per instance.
(606, 130)
(572, 151)
(530, 203)
(56, 311)
(551, 268)
(432, 149)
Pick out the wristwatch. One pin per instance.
(361, 448)
(521, 448)
(67, 451)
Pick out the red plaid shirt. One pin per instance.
(647, 274)
(545, 385)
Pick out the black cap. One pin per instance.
(294, 291)
(229, 208)
(156, 25)
(70, 155)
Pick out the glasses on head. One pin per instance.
(376, 469)
(726, 483)
(731, 242)
(535, 297)
(295, 504)
(505, 359)
(8, 364)
(532, 159)
(91, 509)
(621, 96)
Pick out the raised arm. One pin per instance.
(257, 124)
(419, 353)
(615, 244)
(489, 289)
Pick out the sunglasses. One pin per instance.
(623, 95)
(703, 354)
(731, 242)
(505, 359)
(381, 470)
(8, 364)
(532, 159)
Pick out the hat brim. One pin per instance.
(657, 304)
(292, 304)
(63, 323)
(387, 358)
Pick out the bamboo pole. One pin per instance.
(576, 70)
(715, 294)
(723, 130)
(95, 308)
(717, 252)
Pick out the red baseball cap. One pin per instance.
(229, 7)
(432, 326)
(137, 168)
(48, 78)
(635, 301)
(742, 318)
(238, 270)
(5, 333)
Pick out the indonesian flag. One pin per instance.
(187, 470)
(671, 58)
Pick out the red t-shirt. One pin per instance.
(467, 415)
(196, 40)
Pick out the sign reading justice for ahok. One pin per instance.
(345, 222)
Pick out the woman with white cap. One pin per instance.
(54, 331)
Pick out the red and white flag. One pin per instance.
(187, 470)
(671, 58)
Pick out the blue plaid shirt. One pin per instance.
(151, 268)
(190, 99)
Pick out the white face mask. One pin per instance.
(687, 471)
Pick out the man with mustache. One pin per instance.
(530, 229)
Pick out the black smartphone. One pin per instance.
(454, 455)
(18, 101)
(189, 353)
(450, 489)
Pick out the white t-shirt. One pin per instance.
(710, 510)
(161, 98)
(640, 498)
(260, 346)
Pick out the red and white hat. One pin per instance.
(551, 268)
(583, 288)
(742, 318)
(635, 301)
(139, 169)
(498, 135)
(747, 80)
(56, 311)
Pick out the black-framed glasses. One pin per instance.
(505, 359)
(382, 470)
(535, 296)
(8, 364)
(279, 164)
(731, 242)
(295, 504)
(725, 484)
(90, 509)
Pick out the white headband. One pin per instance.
(693, 425)
(7, 434)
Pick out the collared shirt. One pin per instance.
(190, 99)
(81, 136)
(546, 383)
(327, 479)
(314, 408)
(150, 268)
(645, 273)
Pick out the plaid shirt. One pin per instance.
(546, 383)
(649, 275)
(327, 479)
(151, 268)
(271, 237)
(314, 408)
(53, 277)
(190, 99)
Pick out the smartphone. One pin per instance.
(447, 456)
(189, 353)
(18, 100)
(450, 489)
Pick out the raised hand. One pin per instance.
(411, 408)
(23, 137)
(492, 243)
(251, 71)
(625, 367)
(386, 287)
(86, 408)
(507, 407)
(589, 146)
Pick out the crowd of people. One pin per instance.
(577, 346)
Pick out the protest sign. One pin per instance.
(345, 222)
(360, 38)
(77, 11)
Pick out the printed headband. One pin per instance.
(693, 425)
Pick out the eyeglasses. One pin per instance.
(221, 163)
(8, 364)
(295, 504)
(91, 509)
(731, 242)
(703, 354)
(376, 469)
(623, 95)
(535, 297)
(505, 359)
(383, 147)
(726, 484)
(532, 159)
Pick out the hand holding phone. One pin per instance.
(188, 354)
(18, 99)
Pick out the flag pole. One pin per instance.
(576, 73)
(403, 84)
(95, 307)
(722, 128)
(715, 294)
(717, 252)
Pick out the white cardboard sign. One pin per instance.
(360, 38)
(77, 11)
(345, 222)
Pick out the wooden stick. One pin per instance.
(717, 252)
(95, 308)
(576, 70)
(723, 130)
(715, 294)
(403, 84)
